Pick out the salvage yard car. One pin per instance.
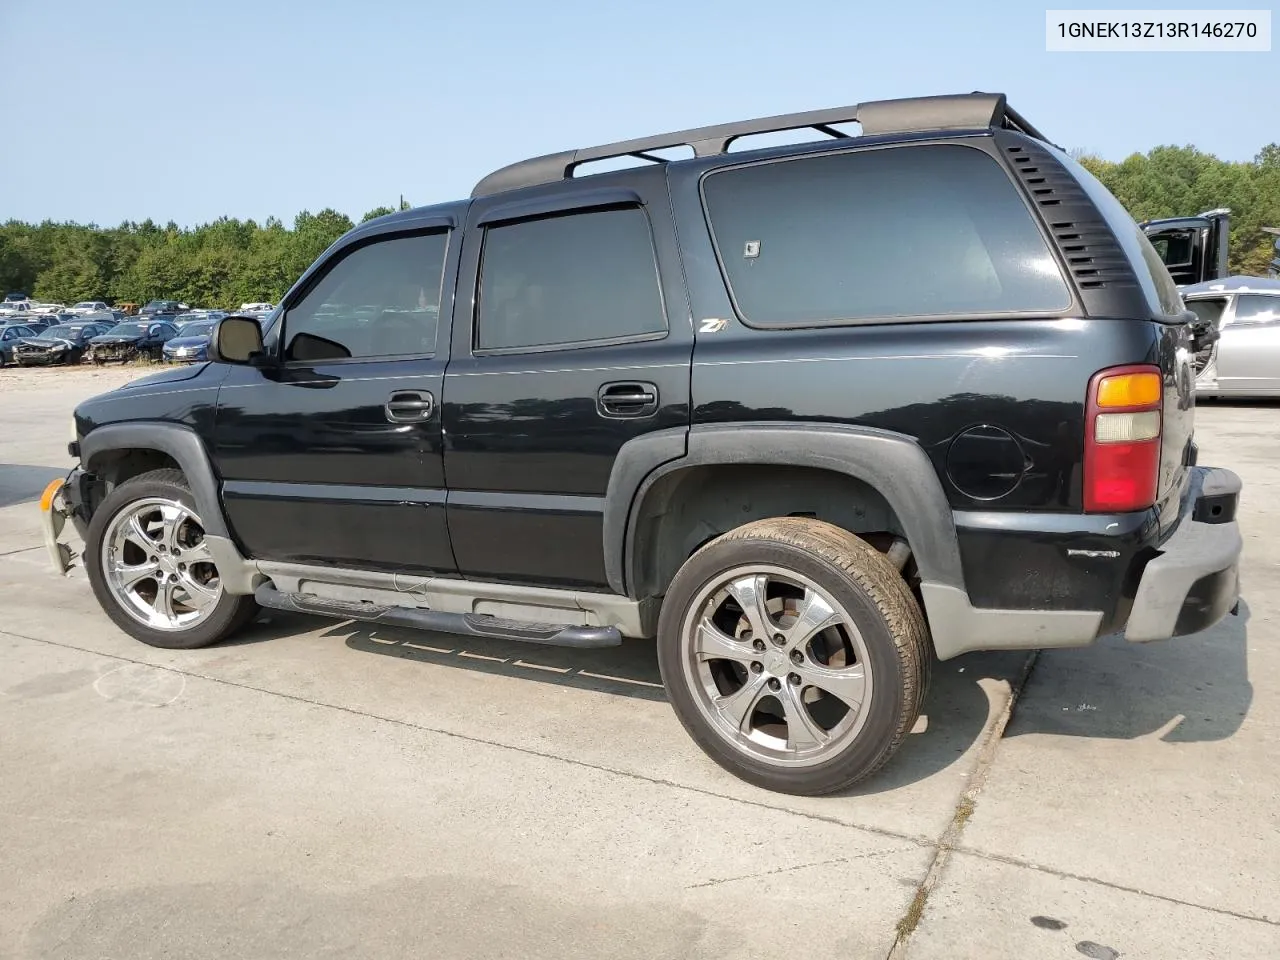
(191, 343)
(90, 306)
(1242, 358)
(11, 336)
(64, 344)
(132, 340)
(714, 401)
(162, 310)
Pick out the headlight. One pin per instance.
(74, 435)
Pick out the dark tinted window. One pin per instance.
(1174, 249)
(1251, 308)
(381, 299)
(569, 279)
(903, 232)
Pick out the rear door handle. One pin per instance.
(627, 399)
(409, 406)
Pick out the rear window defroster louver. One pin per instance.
(1087, 244)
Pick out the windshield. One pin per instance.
(85, 305)
(155, 305)
(127, 329)
(198, 328)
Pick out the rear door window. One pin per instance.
(1254, 309)
(577, 278)
(918, 231)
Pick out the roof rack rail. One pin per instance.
(965, 111)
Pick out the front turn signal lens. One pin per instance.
(51, 491)
(1129, 390)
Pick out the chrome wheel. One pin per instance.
(776, 665)
(157, 566)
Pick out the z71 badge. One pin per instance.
(713, 326)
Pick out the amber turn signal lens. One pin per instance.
(1129, 390)
(51, 491)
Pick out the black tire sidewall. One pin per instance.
(229, 613)
(867, 751)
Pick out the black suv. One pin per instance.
(809, 415)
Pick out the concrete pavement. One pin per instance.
(320, 789)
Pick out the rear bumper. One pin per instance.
(1062, 580)
(1195, 581)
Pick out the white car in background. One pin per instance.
(1243, 360)
(89, 306)
(16, 308)
(255, 309)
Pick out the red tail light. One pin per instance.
(1122, 439)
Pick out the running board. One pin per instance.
(466, 624)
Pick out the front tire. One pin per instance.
(794, 654)
(150, 570)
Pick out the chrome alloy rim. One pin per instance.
(776, 665)
(157, 565)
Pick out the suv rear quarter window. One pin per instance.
(918, 231)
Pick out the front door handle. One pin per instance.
(409, 406)
(627, 399)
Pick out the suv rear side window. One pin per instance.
(903, 232)
(380, 299)
(569, 279)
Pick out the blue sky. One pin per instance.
(183, 110)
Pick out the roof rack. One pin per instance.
(965, 111)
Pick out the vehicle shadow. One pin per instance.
(955, 712)
(23, 484)
(964, 696)
(629, 670)
(1192, 689)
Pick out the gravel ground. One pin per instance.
(85, 380)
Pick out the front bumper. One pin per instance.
(54, 511)
(1195, 581)
(40, 358)
(104, 354)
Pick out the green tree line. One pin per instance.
(219, 264)
(229, 261)
(1183, 181)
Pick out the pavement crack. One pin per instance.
(950, 838)
(1123, 888)
(794, 867)
(10, 553)
(918, 841)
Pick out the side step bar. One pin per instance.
(467, 624)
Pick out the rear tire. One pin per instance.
(147, 567)
(827, 696)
